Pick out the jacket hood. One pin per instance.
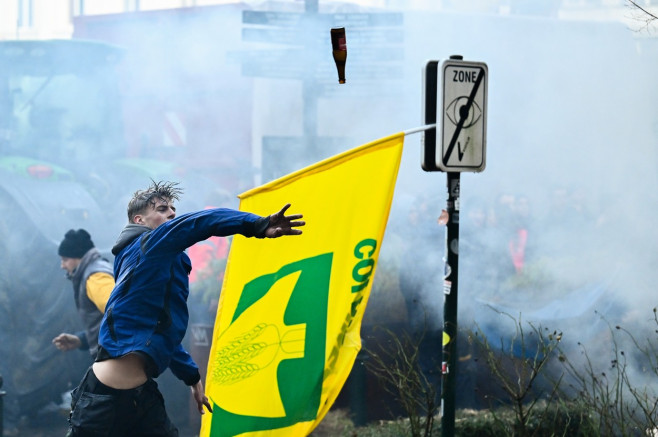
(127, 235)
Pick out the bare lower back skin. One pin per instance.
(122, 373)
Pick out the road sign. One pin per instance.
(293, 63)
(464, 117)
(351, 20)
(272, 18)
(367, 19)
(375, 45)
(267, 56)
(364, 56)
(274, 35)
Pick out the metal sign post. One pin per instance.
(450, 287)
(462, 117)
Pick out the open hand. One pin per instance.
(280, 224)
(67, 342)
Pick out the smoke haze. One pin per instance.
(559, 225)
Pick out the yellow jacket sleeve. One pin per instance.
(99, 287)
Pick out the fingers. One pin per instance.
(200, 398)
(207, 404)
(290, 224)
(282, 214)
(279, 232)
(284, 209)
(204, 402)
(63, 342)
(280, 224)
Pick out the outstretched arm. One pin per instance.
(280, 224)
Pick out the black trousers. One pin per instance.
(101, 411)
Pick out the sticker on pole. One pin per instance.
(464, 119)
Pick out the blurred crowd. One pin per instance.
(553, 258)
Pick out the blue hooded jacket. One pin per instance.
(147, 310)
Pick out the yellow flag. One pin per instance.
(290, 311)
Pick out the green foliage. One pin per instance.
(396, 364)
(546, 420)
(561, 419)
(335, 423)
(622, 396)
(544, 391)
(517, 366)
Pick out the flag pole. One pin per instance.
(419, 129)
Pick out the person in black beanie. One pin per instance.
(93, 281)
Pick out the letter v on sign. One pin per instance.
(464, 121)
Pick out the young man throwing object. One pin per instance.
(146, 316)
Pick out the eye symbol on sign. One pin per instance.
(455, 110)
